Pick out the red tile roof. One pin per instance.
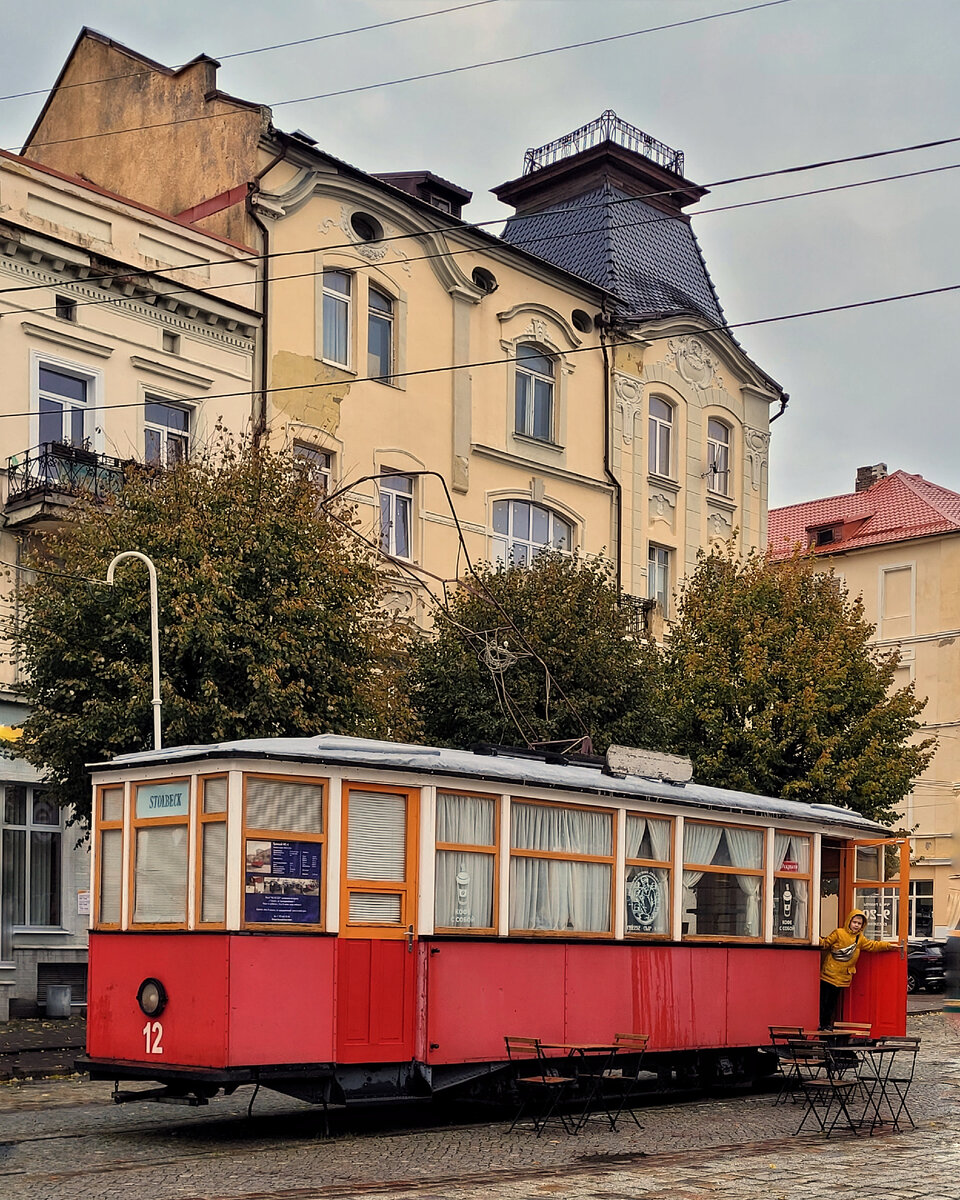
(894, 509)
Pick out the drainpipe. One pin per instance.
(604, 321)
(784, 401)
(260, 418)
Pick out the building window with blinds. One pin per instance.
(561, 869)
(161, 841)
(212, 853)
(722, 881)
(466, 883)
(648, 875)
(284, 843)
(109, 887)
(791, 886)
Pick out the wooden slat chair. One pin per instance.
(541, 1089)
(856, 1029)
(780, 1038)
(827, 1093)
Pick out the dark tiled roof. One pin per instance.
(894, 509)
(651, 260)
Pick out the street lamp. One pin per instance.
(154, 632)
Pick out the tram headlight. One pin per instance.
(152, 997)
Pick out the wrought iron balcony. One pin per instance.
(56, 469)
(608, 127)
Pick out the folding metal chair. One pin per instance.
(898, 1076)
(826, 1092)
(541, 1089)
(780, 1038)
(631, 1048)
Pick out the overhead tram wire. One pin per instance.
(614, 37)
(499, 362)
(320, 37)
(450, 253)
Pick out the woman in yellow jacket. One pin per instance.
(839, 962)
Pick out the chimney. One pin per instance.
(868, 476)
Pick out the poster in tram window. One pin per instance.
(282, 883)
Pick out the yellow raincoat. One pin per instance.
(839, 964)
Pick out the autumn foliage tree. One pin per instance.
(772, 685)
(536, 653)
(270, 620)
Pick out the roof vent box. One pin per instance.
(648, 764)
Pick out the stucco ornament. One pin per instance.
(662, 508)
(757, 445)
(537, 329)
(694, 362)
(372, 251)
(629, 399)
(720, 527)
(401, 602)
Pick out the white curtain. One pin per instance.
(636, 827)
(549, 893)
(700, 843)
(464, 897)
(659, 832)
(562, 830)
(746, 850)
(464, 820)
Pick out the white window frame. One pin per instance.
(91, 376)
(532, 377)
(655, 424)
(346, 301)
(388, 319)
(393, 500)
(151, 396)
(659, 567)
(318, 461)
(532, 548)
(719, 457)
(29, 826)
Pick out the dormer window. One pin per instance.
(826, 535)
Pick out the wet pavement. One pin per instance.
(63, 1138)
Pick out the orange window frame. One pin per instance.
(805, 936)
(563, 856)
(102, 826)
(285, 835)
(203, 820)
(668, 866)
(707, 868)
(493, 851)
(138, 823)
(407, 889)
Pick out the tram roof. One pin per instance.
(332, 749)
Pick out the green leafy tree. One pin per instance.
(772, 685)
(270, 620)
(537, 653)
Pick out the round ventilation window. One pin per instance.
(485, 280)
(581, 320)
(367, 228)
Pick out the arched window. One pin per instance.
(534, 393)
(379, 334)
(522, 530)
(718, 456)
(660, 449)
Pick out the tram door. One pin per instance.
(876, 878)
(376, 959)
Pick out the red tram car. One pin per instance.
(337, 918)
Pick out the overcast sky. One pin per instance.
(797, 83)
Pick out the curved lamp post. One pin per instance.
(154, 632)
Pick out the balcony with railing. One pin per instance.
(608, 127)
(42, 481)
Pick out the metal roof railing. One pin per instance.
(608, 127)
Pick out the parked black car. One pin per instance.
(925, 967)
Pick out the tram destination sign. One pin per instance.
(282, 882)
(163, 799)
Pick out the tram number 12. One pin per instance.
(153, 1033)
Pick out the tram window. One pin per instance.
(110, 864)
(161, 811)
(213, 850)
(791, 886)
(722, 880)
(561, 869)
(648, 875)
(466, 862)
(282, 873)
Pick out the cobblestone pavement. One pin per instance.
(63, 1139)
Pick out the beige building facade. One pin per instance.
(895, 542)
(112, 351)
(570, 383)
